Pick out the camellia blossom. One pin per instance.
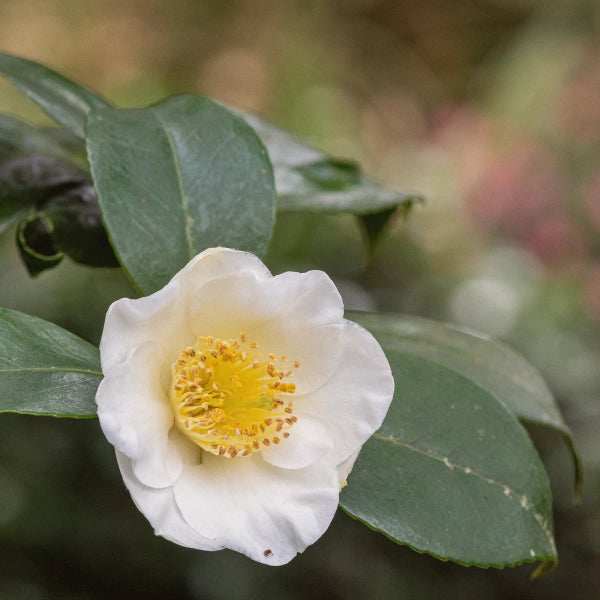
(237, 402)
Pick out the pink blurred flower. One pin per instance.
(517, 190)
(557, 243)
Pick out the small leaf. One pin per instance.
(38, 177)
(44, 369)
(34, 242)
(28, 181)
(69, 224)
(176, 178)
(452, 473)
(59, 212)
(490, 364)
(309, 180)
(77, 227)
(60, 98)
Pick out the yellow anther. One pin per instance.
(223, 405)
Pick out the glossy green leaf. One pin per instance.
(307, 179)
(490, 364)
(60, 98)
(44, 369)
(176, 178)
(452, 473)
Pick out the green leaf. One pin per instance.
(12, 209)
(452, 473)
(58, 210)
(176, 178)
(34, 242)
(44, 369)
(60, 98)
(331, 174)
(488, 363)
(69, 224)
(77, 227)
(18, 138)
(26, 181)
(33, 166)
(374, 224)
(307, 179)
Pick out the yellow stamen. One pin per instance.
(227, 396)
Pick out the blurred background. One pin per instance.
(489, 108)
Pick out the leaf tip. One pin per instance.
(547, 566)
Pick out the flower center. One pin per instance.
(227, 396)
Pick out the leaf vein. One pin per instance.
(184, 198)
(52, 370)
(522, 499)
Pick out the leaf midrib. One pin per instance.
(506, 489)
(439, 458)
(53, 370)
(179, 174)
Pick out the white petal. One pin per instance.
(309, 441)
(306, 325)
(218, 262)
(309, 298)
(159, 507)
(129, 323)
(207, 305)
(190, 453)
(266, 513)
(354, 402)
(164, 315)
(136, 417)
(298, 315)
(344, 468)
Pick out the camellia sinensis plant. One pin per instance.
(244, 407)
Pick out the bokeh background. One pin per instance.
(489, 108)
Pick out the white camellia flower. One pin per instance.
(237, 403)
